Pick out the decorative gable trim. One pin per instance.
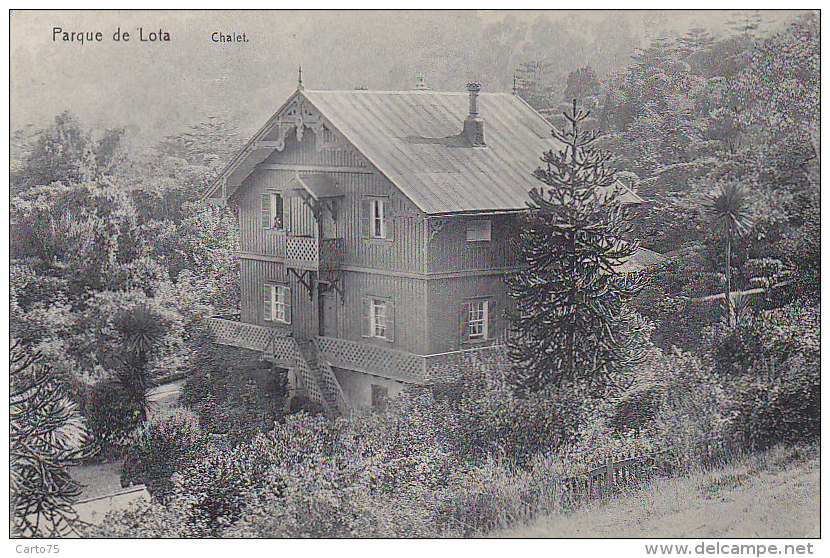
(295, 116)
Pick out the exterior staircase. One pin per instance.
(313, 370)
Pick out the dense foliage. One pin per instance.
(469, 456)
(113, 259)
(233, 391)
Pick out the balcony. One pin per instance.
(278, 346)
(312, 254)
(404, 366)
(273, 342)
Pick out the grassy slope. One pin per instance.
(773, 494)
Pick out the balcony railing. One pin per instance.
(312, 254)
(401, 365)
(277, 345)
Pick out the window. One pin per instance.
(277, 303)
(478, 230)
(380, 395)
(379, 316)
(273, 211)
(478, 320)
(378, 219)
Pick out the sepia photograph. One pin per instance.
(416, 274)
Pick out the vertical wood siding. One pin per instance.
(409, 298)
(254, 274)
(450, 251)
(445, 298)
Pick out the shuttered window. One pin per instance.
(478, 320)
(277, 303)
(377, 219)
(273, 211)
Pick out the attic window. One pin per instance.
(479, 230)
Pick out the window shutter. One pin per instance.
(286, 214)
(287, 304)
(465, 323)
(491, 319)
(266, 307)
(390, 321)
(389, 220)
(266, 210)
(365, 214)
(367, 317)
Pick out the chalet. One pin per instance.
(375, 232)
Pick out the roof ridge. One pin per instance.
(404, 92)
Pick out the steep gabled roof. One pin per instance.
(413, 138)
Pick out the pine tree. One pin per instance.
(570, 297)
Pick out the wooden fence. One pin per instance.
(637, 468)
(618, 472)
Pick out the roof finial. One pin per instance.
(300, 78)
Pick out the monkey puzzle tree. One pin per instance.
(45, 439)
(570, 295)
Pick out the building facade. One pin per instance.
(375, 232)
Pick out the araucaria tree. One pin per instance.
(570, 295)
(45, 439)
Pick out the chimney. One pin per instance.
(473, 124)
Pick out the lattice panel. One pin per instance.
(301, 252)
(282, 350)
(312, 387)
(239, 334)
(330, 384)
(395, 365)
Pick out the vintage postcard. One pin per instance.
(416, 274)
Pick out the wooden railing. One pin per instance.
(241, 334)
(312, 254)
(278, 345)
(400, 365)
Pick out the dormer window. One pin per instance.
(479, 230)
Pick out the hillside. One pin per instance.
(774, 494)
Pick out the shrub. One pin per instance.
(111, 413)
(635, 410)
(165, 444)
(694, 411)
(785, 409)
(739, 349)
(232, 390)
(209, 495)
